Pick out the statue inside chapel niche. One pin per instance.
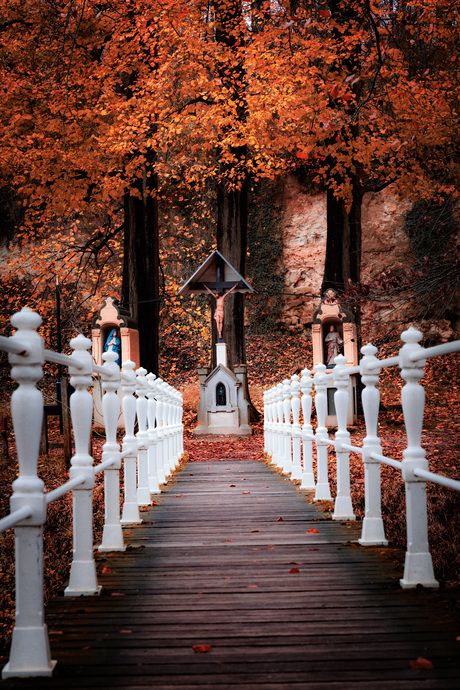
(113, 343)
(333, 345)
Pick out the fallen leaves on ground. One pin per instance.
(420, 662)
(201, 648)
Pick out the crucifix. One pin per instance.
(217, 277)
(223, 408)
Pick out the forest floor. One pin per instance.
(270, 360)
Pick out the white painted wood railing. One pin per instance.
(163, 442)
(281, 430)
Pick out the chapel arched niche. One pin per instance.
(221, 395)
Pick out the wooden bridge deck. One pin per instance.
(225, 585)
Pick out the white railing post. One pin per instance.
(265, 404)
(279, 440)
(154, 477)
(306, 383)
(160, 412)
(176, 424)
(373, 531)
(130, 512)
(343, 508)
(83, 577)
(323, 491)
(180, 427)
(156, 473)
(143, 493)
(296, 429)
(286, 429)
(112, 535)
(30, 653)
(418, 565)
(165, 427)
(272, 422)
(168, 456)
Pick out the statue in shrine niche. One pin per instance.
(219, 312)
(333, 343)
(113, 344)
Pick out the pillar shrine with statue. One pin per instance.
(334, 333)
(113, 329)
(223, 408)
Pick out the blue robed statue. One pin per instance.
(113, 343)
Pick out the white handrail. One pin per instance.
(397, 464)
(64, 489)
(411, 359)
(443, 349)
(13, 518)
(14, 347)
(29, 501)
(438, 479)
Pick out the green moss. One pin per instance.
(265, 263)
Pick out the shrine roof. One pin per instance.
(208, 273)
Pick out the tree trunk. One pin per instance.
(232, 202)
(140, 290)
(343, 243)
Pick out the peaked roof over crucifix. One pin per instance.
(218, 274)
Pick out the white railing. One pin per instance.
(30, 652)
(282, 434)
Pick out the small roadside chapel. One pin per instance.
(333, 333)
(113, 329)
(223, 408)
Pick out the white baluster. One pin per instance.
(373, 531)
(265, 422)
(181, 426)
(323, 491)
(83, 577)
(306, 383)
(287, 453)
(160, 412)
(174, 427)
(343, 508)
(418, 565)
(143, 493)
(296, 429)
(130, 513)
(30, 653)
(271, 422)
(168, 455)
(274, 422)
(279, 441)
(112, 535)
(154, 479)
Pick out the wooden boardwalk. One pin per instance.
(235, 581)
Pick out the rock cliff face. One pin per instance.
(384, 245)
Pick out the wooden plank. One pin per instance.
(211, 565)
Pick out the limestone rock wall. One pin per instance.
(384, 245)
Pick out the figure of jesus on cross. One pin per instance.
(220, 298)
